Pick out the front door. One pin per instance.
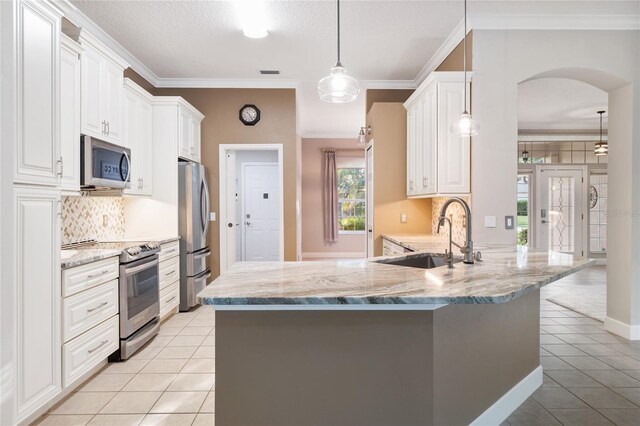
(261, 212)
(560, 209)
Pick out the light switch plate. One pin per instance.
(489, 221)
(403, 218)
(212, 216)
(508, 222)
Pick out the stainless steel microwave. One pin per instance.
(104, 165)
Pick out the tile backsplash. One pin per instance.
(91, 217)
(455, 212)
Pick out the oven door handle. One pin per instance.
(136, 269)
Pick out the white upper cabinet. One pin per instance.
(138, 135)
(69, 114)
(189, 120)
(38, 138)
(102, 83)
(438, 162)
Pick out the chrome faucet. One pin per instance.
(467, 248)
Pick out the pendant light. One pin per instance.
(525, 154)
(601, 148)
(465, 126)
(338, 87)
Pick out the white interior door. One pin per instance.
(261, 212)
(560, 210)
(230, 205)
(369, 201)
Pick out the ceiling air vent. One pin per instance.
(269, 72)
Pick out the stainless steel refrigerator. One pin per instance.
(194, 206)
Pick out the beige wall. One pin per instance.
(454, 62)
(389, 132)
(222, 126)
(312, 214)
(386, 95)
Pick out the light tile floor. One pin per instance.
(584, 292)
(591, 377)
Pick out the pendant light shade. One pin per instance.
(601, 148)
(525, 154)
(338, 87)
(465, 126)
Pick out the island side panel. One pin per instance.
(324, 368)
(481, 352)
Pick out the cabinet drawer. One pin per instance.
(74, 280)
(169, 271)
(169, 250)
(169, 297)
(89, 349)
(89, 308)
(390, 248)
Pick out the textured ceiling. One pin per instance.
(381, 40)
(559, 104)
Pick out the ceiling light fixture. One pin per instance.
(601, 148)
(465, 126)
(252, 18)
(338, 87)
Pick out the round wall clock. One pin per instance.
(593, 196)
(249, 115)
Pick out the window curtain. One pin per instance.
(330, 195)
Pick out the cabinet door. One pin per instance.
(145, 143)
(91, 116)
(112, 100)
(69, 119)
(184, 129)
(411, 149)
(38, 149)
(453, 151)
(196, 139)
(429, 153)
(38, 345)
(419, 143)
(131, 138)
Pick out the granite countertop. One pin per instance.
(159, 240)
(505, 273)
(73, 257)
(419, 242)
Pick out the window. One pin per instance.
(524, 191)
(351, 198)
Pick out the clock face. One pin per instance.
(249, 115)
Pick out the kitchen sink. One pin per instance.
(423, 261)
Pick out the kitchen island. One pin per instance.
(366, 342)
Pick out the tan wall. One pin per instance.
(454, 62)
(137, 78)
(389, 123)
(222, 126)
(312, 213)
(386, 95)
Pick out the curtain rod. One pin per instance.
(341, 149)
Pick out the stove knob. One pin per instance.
(131, 251)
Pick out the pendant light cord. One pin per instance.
(464, 59)
(338, 64)
(601, 112)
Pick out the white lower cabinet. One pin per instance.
(90, 320)
(38, 340)
(389, 248)
(90, 349)
(169, 270)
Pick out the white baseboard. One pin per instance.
(334, 255)
(510, 401)
(629, 332)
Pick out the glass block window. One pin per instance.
(598, 213)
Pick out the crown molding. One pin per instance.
(83, 21)
(629, 22)
(453, 39)
(227, 83)
(389, 84)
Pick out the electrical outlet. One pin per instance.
(508, 222)
(403, 218)
(212, 216)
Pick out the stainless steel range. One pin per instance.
(139, 287)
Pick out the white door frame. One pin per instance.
(222, 174)
(584, 235)
(243, 229)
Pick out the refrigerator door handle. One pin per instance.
(207, 207)
(202, 254)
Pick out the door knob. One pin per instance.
(230, 225)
